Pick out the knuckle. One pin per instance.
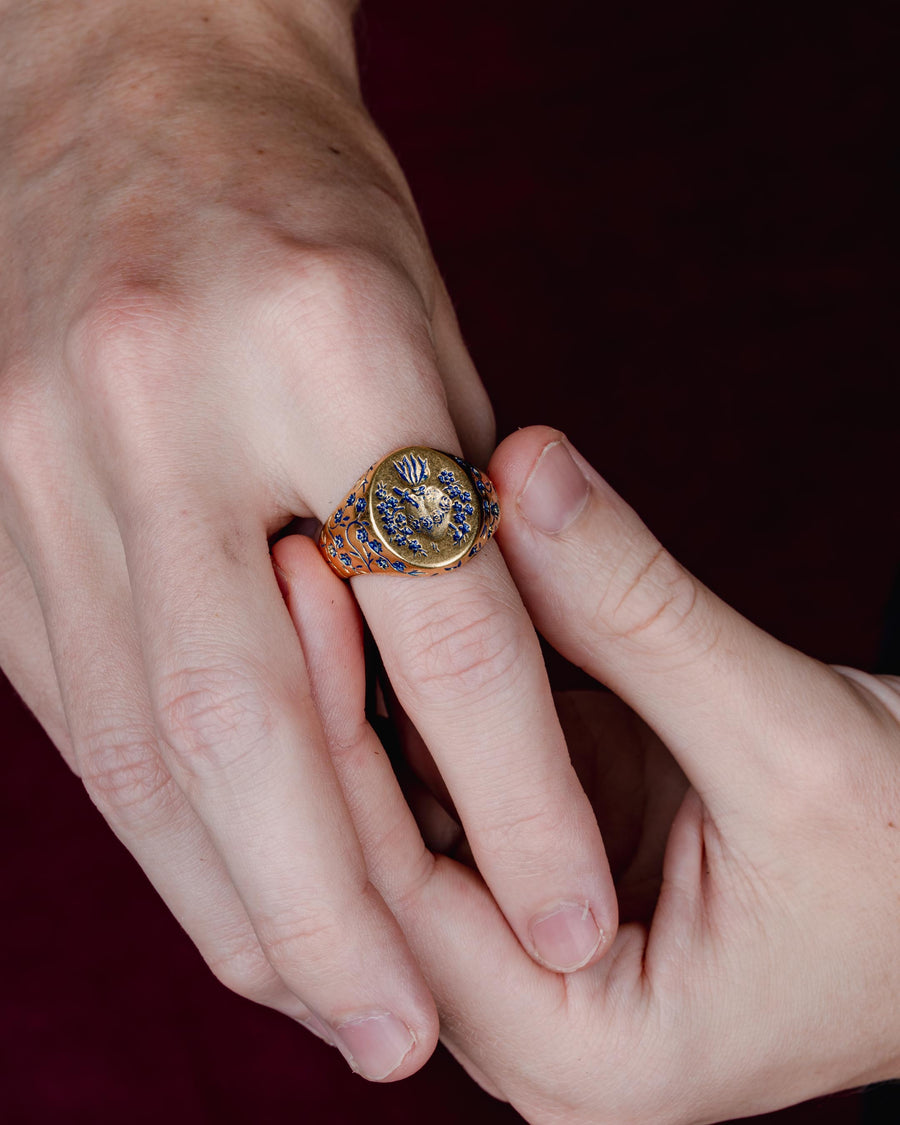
(650, 599)
(127, 332)
(308, 937)
(851, 735)
(342, 272)
(339, 296)
(244, 969)
(528, 831)
(125, 775)
(467, 652)
(411, 896)
(212, 718)
(350, 746)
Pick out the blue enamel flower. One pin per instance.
(345, 559)
(383, 563)
(362, 535)
(398, 565)
(338, 541)
(361, 504)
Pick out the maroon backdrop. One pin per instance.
(663, 225)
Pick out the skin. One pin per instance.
(219, 308)
(750, 800)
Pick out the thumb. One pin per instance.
(606, 594)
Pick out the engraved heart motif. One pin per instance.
(427, 509)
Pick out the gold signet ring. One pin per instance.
(417, 511)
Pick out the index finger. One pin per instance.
(464, 660)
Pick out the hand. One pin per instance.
(219, 309)
(756, 963)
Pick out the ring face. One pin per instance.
(424, 507)
(417, 511)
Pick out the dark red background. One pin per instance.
(664, 228)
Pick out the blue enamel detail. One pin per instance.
(415, 517)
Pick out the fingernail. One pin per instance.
(375, 1045)
(566, 937)
(555, 492)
